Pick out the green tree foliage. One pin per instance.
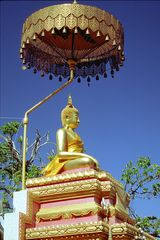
(11, 160)
(142, 181)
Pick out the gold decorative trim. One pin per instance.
(67, 230)
(23, 219)
(60, 178)
(71, 16)
(68, 211)
(126, 229)
(70, 190)
(122, 237)
(86, 231)
(120, 214)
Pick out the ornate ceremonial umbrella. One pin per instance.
(88, 35)
(70, 40)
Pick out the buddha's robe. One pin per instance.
(57, 163)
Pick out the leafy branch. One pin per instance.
(142, 181)
(11, 159)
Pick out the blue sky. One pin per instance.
(120, 117)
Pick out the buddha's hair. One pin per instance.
(68, 111)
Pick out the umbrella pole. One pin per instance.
(26, 119)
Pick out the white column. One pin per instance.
(11, 220)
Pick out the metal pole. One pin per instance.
(26, 120)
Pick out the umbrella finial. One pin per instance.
(74, 1)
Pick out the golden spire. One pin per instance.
(70, 101)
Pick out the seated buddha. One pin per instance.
(70, 149)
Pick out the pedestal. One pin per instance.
(80, 204)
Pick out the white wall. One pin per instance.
(11, 220)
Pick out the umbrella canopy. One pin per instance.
(88, 35)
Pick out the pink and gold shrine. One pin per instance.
(75, 199)
(79, 204)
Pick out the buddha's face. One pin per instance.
(72, 120)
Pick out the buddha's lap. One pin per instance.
(78, 163)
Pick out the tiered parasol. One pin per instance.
(89, 36)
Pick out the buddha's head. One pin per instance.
(70, 115)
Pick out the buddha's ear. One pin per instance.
(66, 119)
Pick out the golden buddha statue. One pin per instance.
(70, 152)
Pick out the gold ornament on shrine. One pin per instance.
(87, 36)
